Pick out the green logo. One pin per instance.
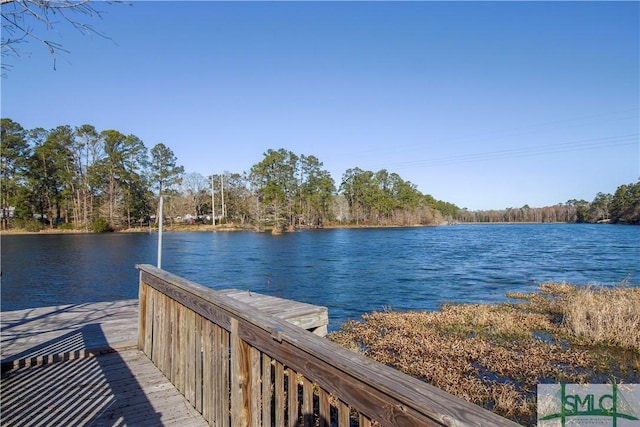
(617, 405)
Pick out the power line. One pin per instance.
(534, 128)
(579, 145)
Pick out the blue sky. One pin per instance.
(487, 105)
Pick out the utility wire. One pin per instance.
(579, 145)
(601, 118)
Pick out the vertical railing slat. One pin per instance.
(168, 338)
(343, 415)
(157, 334)
(324, 408)
(236, 379)
(241, 381)
(279, 394)
(217, 373)
(189, 356)
(198, 363)
(267, 392)
(179, 347)
(148, 332)
(175, 342)
(292, 397)
(307, 403)
(142, 314)
(256, 390)
(225, 381)
(208, 372)
(162, 332)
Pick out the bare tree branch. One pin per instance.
(27, 20)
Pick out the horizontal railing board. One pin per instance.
(193, 299)
(376, 390)
(307, 316)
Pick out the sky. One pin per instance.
(487, 105)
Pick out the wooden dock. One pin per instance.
(188, 355)
(79, 364)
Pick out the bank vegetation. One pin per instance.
(496, 355)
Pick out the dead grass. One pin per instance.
(610, 317)
(495, 355)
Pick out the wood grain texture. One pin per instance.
(375, 391)
(292, 398)
(47, 331)
(208, 370)
(307, 403)
(267, 389)
(279, 394)
(116, 388)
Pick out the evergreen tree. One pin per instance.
(625, 204)
(274, 181)
(164, 173)
(13, 154)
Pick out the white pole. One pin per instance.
(213, 204)
(222, 193)
(160, 235)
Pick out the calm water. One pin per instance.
(351, 271)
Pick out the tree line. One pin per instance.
(82, 178)
(622, 207)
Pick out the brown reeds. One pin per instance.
(495, 355)
(600, 316)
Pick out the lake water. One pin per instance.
(351, 271)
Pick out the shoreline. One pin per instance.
(202, 228)
(209, 228)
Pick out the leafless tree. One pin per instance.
(195, 188)
(30, 20)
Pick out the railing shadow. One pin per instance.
(60, 383)
(16, 327)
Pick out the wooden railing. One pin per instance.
(240, 367)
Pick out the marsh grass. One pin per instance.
(496, 355)
(609, 317)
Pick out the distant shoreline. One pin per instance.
(199, 229)
(210, 228)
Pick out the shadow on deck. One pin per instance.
(63, 382)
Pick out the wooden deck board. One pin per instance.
(307, 316)
(68, 328)
(120, 388)
(114, 325)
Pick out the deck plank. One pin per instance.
(68, 328)
(114, 325)
(78, 364)
(304, 315)
(119, 388)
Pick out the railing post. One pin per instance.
(241, 380)
(142, 312)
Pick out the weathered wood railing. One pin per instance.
(240, 367)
